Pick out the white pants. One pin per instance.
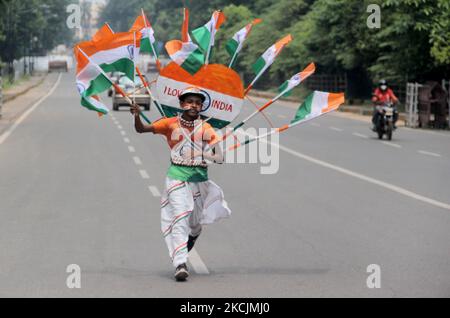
(185, 207)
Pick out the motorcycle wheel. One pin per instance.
(390, 128)
(380, 133)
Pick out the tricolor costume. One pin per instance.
(189, 199)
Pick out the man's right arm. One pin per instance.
(138, 125)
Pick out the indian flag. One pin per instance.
(270, 54)
(234, 46)
(143, 26)
(185, 52)
(205, 35)
(113, 51)
(316, 104)
(286, 88)
(90, 82)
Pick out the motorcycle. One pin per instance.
(385, 122)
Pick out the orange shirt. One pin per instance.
(170, 127)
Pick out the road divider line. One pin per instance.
(387, 143)
(144, 174)
(10, 130)
(131, 149)
(197, 263)
(423, 152)
(123, 133)
(360, 135)
(126, 140)
(120, 127)
(356, 175)
(154, 190)
(336, 129)
(137, 161)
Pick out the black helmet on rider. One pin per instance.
(382, 84)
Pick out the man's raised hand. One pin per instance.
(135, 109)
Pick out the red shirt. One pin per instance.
(383, 97)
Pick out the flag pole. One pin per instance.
(134, 64)
(158, 106)
(239, 48)
(235, 55)
(158, 63)
(277, 130)
(117, 87)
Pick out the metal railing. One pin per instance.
(446, 86)
(411, 104)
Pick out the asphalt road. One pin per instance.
(78, 189)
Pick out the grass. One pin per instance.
(7, 84)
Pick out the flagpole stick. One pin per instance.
(256, 78)
(134, 63)
(158, 63)
(242, 123)
(158, 106)
(117, 87)
(277, 130)
(235, 55)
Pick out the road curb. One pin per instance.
(7, 98)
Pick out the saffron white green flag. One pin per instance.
(148, 42)
(205, 35)
(90, 82)
(316, 104)
(185, 52)
(234, 45)
(270, 54)
(286, 88)
(113, 51)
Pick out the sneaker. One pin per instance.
(181, 273)
(191, 241)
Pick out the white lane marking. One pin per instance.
(131, 149)
(315, 124)
(426, 131)
(360, 135)
(123, 133)
(120, 127)
(336, 129)
(144, 174)
(387, 143)
(126, 140)
(197, 264)
(423, 152)
(10, 130)
(359, 176)
(154, 190)
(137, 161)
(281, 116)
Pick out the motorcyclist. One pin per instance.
(382, 95)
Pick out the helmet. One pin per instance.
(383, 85)
(192, 91)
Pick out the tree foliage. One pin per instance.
(32, 26)
(411, 44)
